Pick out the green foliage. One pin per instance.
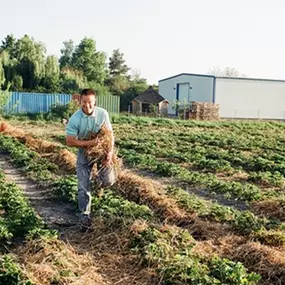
(39, 233)
(4, 97)
(169, 251)
(270, 238)
(117, 65)
(2, 74)
(229, 272)
(51, 80)
(87, 59)
(72, 80)
(20, 217)
(114, 206)
(247, 222)
(11, 273)
(130, 93)
(38, 168)
(66, 54)
(24, 66)
(66, 188)
(58, 111)
(267, 178)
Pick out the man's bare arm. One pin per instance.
(73, 141)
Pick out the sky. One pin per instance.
(161, 38)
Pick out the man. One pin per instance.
(89, 118)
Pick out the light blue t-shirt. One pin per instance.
(80, 124)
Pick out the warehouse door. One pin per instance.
(183, 95)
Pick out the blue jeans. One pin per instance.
(83, 171)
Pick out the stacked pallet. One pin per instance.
(76, 98)
(203, 111)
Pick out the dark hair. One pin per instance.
(87, 91)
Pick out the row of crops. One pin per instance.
(182, 238)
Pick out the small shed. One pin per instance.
(148, 100)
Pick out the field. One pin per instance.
(196, 203)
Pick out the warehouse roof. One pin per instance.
(150, 96)
(222, 77)
(191, 74)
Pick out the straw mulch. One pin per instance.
(48, 260)
(54, 152)
(8, 130)
(51, 150)
(65, 159)
(109, 243)
(264, 260)
(143, 191)
(40, 145)
(270, 208)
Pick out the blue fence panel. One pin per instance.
(21, 102)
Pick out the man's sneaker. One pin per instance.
(85, 222)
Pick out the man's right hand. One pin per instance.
(73, 141)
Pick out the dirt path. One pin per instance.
(55, 213)
(114, 265)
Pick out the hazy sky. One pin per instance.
(161, 38)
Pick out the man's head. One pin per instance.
(88, 100)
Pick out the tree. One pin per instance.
(226, 72)
(136, 77)
(9, 66)
(72, 80)
(117, 66)
(51, 79)
(88, 60)
(2, 75)
(66, 54)
(118, 79)
(17, 83)
(133, 91)
(9, 45)
(31, 61)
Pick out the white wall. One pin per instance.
(202, 89)
(247, 98)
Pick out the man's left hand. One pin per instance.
(108, 160)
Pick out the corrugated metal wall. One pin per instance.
(109, 102)
(21, 102)
(251, 98)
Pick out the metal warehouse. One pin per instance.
(237, 97)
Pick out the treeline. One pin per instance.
(25, 66)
